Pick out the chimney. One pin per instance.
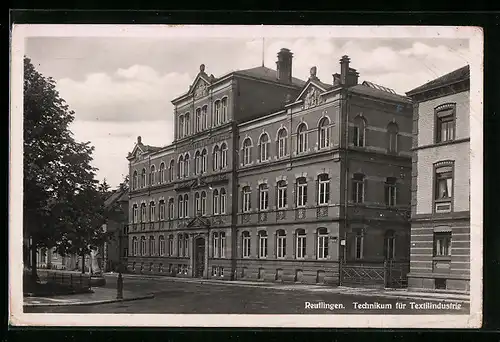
(336, 79)
(284, 66)
(344, 70)
(352, 77)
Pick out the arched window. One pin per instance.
(204, 161)
(216, 202)
(223, 159)
(280, 243)
(180, 206)
(187, 124)
(322, 250)
(281, 197)
(263, 197)
(215, 245)
(222, 201)
(301, 192)
(152, 175)
(358, 188)
(445, 116)
(171, 209)
(152, 246)
(186, 205)
(180, 245)
(180, 170)
(222, 245)
(300, 244)
(152, 211)
(162, 173)
(204, 117)
(171, 171)
(392, 137)
(203, 203)
(170, 245)
(247, 151)
(143, 245)
(302, 138)
(134, 181)
(198, 119)
(324, 133)
(181, 126)
(135, 246)
(197, 163)
(143, 178)
(264, 147)
(359, 138)
(161, 244)
(215, 163)
(262, 244)
(197, 203)
(390, 245)
(162, 210)
(135, 213)
(186, 245)
(186, 165)
(247, 196)
(246, 244)
(217, 113)
(224, 110)
(323, 189)
(282, 138)
(144, 214)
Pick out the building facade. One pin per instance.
(440, 229)
(274, 178)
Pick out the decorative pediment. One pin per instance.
(136, 153)
(199, 222)
(311, 94)
(200, 89)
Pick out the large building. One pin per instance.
(440, 230)
(273, 178)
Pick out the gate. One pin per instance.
(388, 274)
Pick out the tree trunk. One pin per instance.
(83, 263)
(34, 275)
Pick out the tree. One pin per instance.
(57, 169)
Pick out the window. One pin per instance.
(264, 147)
(358, 188)
(152, 249)
(390, 245)
(144, 214)
(445, 123)
(135, 246)
(302, 138)
(186, 245)
(204, 117)
(143, 178)
(161, 240)
(215, 245)
(186, 205)
(247, 194)
(197, 203)
(222, 245)
(223, 155)
(143, 245)
(246, 244)
(152, 211)
(135, 213)
(204, 161)
(203, 203)
(134, 181)
(443, 179)
(280, 243)
(180, 245)
(324, 133)
(180, 207)
(263, 197)
(171, 171)
(392, 137)
(187, 124)
(442, 244)
(215, 202)
(282, 143)
(197, 123)
(358, 246)
(162, 210)
(186, 165)
(323, 189)
(171, 209)
(224, 110)
(322, 243)
(160, 267)
(247, 151)
(359, 131)
(301, 192)
(197, 163)
(152, 175)
(162, 173)
(216, 113)
(180, 170)
(281, 198)
(181, 126)
(216, 158)
(300, 245)
(390, 191)
(262, 244)
(223, 201)
(171, 245)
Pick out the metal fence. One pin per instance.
(76, 281)
(388, 273)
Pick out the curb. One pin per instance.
(95, 302)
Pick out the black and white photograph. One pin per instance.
(246, 176)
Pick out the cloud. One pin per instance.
(137, 93)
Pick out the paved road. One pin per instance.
(194, 298)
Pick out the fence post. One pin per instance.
(340, 272)
(386, 277)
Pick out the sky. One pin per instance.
(121, 87)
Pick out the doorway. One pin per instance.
(199, 257)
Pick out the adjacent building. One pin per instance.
(440, 229)
(274, 178)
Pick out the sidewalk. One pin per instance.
(370, 292)
(100, 296)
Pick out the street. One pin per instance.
(194, 298)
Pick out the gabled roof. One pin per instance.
(455, 76)
(266, 74)
(315, 82)
(143, 149)
(119, 195)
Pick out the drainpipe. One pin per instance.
(346, 173)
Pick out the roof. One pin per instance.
(453, 77)
(267, 74)
(117, 196)
(366, 89)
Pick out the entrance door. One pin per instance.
(199, 257)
